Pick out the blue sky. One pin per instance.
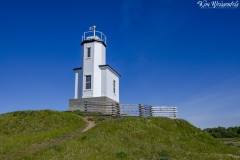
(170, 53)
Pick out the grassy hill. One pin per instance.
(57, 135)
(24, 132)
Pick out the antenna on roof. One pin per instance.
(94, 29)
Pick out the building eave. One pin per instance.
(77, 68)
(110, 69)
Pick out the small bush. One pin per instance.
(230, 144)
(121, 154)
(99, 119)
(57, 148)
(163, 154)
(78, 112)
(84, 137)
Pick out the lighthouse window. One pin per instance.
(114, 86)
(88, 82)
(88, 52)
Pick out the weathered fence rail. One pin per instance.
(141, 110)
(101, 108)
(165, 111)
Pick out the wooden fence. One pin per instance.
(102, 108)
(116, 109)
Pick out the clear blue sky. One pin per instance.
(168, 53)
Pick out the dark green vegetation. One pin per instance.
(222, 132)
(57, 135)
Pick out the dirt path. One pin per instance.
(90, 124)
(36, 147)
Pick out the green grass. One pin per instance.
(233, 142)
(22, 130)
(119, 138)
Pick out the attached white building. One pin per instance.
(95, 78)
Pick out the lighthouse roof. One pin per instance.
(107, 66)
(93, 40)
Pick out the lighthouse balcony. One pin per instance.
(94, 35)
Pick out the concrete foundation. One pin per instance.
(78, 104)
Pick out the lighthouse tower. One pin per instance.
(95, 80)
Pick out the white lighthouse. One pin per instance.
(95, 80)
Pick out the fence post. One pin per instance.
(141, 110)
(113, 110)
(118, 110)
(151, 111)
(85, 107)
(174, 112)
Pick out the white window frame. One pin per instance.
(114, 87)
(88, 82)
(89, 52)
